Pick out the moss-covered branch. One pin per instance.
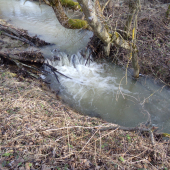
(70, 4)
(66, 22)
(77, 23)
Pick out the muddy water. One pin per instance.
(94, 89)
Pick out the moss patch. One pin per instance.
(70, 4)
(77, 23)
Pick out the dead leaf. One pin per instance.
(27, 166)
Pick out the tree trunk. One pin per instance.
(95, 21)
(63, 19)
(135, 63)
(134, 7)
(132, 10)
(90, 11)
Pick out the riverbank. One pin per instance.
(38, 131)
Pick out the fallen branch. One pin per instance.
(21, 39)
(54, 69)
(18, 36)
(22, 36)
(21, 65)
(25, 56)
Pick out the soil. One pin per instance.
(39, 131)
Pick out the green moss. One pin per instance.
(166, 135)
(168, 11)
(77, 23)
(117, 35)
(70, 4)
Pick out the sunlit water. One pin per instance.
(94, 89)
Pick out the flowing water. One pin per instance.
(93, 88)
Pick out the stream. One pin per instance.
(95, 89)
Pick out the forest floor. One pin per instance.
(39, 131)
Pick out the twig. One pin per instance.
(21, 39)
(53, 69)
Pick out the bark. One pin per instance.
(132, 10)
(63, 18)
(23, 67)
(90, 11)
(59, 12)
(135, 63)
(34, 57)
(134, 48)
(168, 12)
(95, 21)
(21, 35)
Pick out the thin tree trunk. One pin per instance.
(132, 10)
(134, 48)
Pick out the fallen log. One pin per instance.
(22, 67)
(21, 39)
(21, 35)
(29, 56)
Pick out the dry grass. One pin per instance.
(37, 131)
